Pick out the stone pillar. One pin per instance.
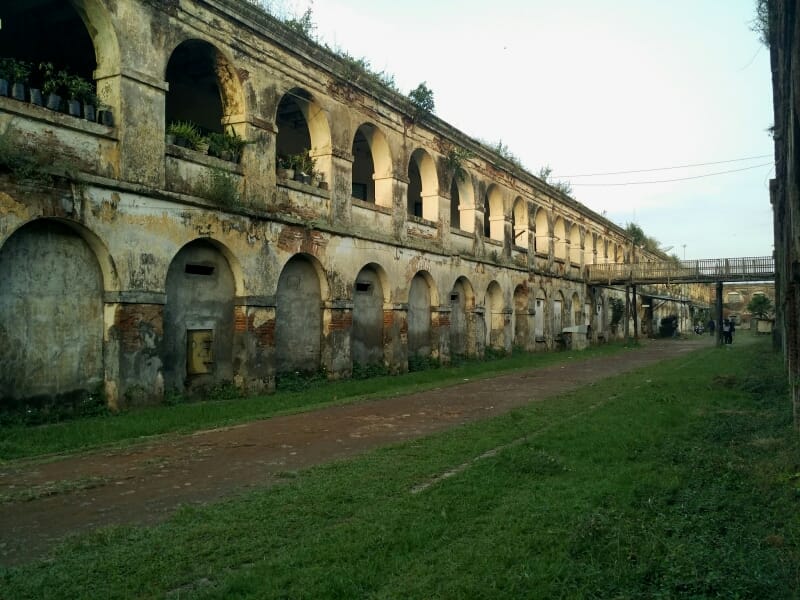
(440, 332)
(254, 344)
(337, 165)
(400, 209)
(137, 101)
(337, 325)
(395, 337)
(258, 158)
(443, 221)
(480, 330)
(134, 329)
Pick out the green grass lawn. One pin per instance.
(184, 417)
(680, 480)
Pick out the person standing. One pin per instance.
(711, 327)
(732, 331)
(726, 331)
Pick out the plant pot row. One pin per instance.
(56, 103)
(202, 147)
(301, 177)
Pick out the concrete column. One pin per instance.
(337, 325)
(134, 328)
(254, 345)
(258, 158)
(440, 333)
(137, 101)
(395, 337)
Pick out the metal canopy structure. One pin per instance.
(707, 270)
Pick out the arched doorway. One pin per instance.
(51, 314)
(462, 302)
(419, 316)
(521, 331)
(198, 318)
(367, 334)
(495, 317)
(298, 317)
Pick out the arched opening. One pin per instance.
(588, 248)
(519, 222)
(363, 168)
(419, 316)
(455, 205)
(462, 302)
(619, 254)
(538, 317)
(51, 31)
(198, 318)
(496, 318)
(521, 332)
(51, 315)
(367, 334)
(203, 87)
(575, 250)
(372, 166)
(294, 138)
(462, 203)
(558, 313)
(542, 238)
(560, 238)
(494, 215)
(303, 134)
(577, 310)
(422, 186)
(298, 317)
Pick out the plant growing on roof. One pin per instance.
(455, 161)
(422, 98)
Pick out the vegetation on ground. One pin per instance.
(680, 480)
(297, 392)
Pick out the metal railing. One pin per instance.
(757, 268)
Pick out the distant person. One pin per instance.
(726, 331)
(711, 327)
(732, 331)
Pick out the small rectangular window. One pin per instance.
(363, 287)
(195, 269)
(454, 297)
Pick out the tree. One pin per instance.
(562, 186)
(760, 306)
(422, 97)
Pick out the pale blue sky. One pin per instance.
(593, 86)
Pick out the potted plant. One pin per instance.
(321, 183)
(304, 167)
(6, 73)
(80, 93)
(235, 145)
(217, 145)
(186, 134)
(53, 85)
(21, 73)
(284, 167)
(105, 115)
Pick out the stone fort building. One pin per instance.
(131, 264)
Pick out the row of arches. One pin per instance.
(54, 318)
(205, 87)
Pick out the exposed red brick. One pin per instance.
(132, 321)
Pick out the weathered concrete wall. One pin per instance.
(51, 314)
(200, 294)
(367, 335)
(298, 318)
(287, 256)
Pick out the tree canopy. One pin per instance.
(760, 306)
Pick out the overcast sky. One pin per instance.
(597, 86)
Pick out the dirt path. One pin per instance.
(145, 483)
